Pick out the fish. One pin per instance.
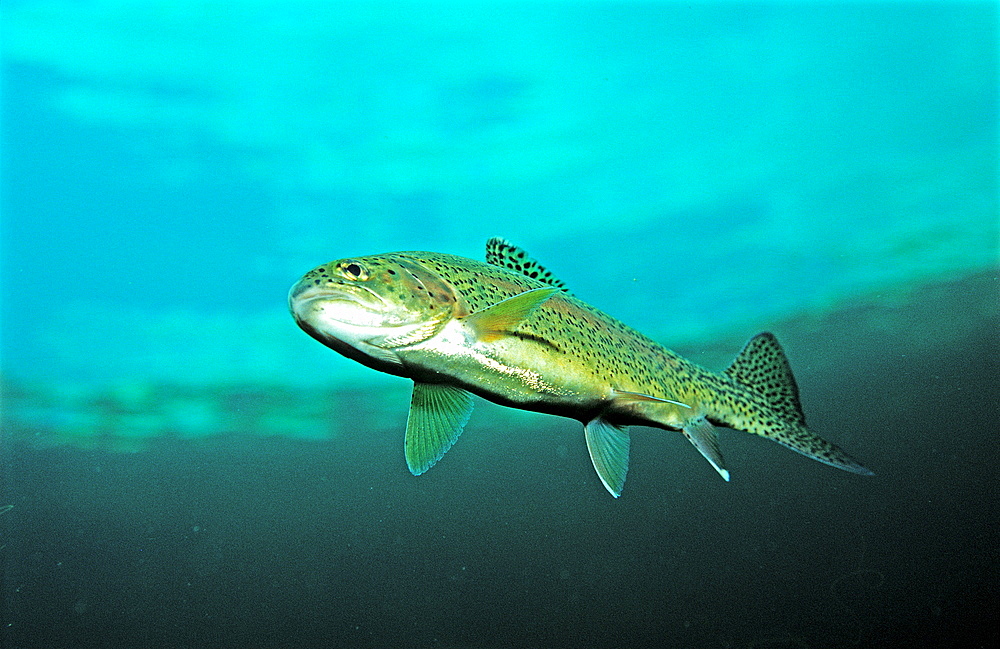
(507, 330)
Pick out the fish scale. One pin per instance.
(507, 330)
(617, 352)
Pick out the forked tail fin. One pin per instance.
(763, 368)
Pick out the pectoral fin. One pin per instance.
(438, 413)
(608, 445)
(495, 321)
(705, 438)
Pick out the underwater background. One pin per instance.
(183, 467)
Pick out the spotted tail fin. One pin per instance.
(763, 368)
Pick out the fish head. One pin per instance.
(367, 308)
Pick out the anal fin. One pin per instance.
(438, 414)
(705, 437)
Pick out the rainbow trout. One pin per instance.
(508, 331)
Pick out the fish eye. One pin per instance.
(353, 270)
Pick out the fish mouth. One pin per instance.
(304, 294)
(307, 292)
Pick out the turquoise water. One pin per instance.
(689, 169)
(701, 171)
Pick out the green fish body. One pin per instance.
(508, 331)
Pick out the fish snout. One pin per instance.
(304, 292)
(298, 288)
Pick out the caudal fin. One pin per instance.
(763, 368)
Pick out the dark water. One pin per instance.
(512, 542)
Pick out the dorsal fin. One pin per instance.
(502, 253)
